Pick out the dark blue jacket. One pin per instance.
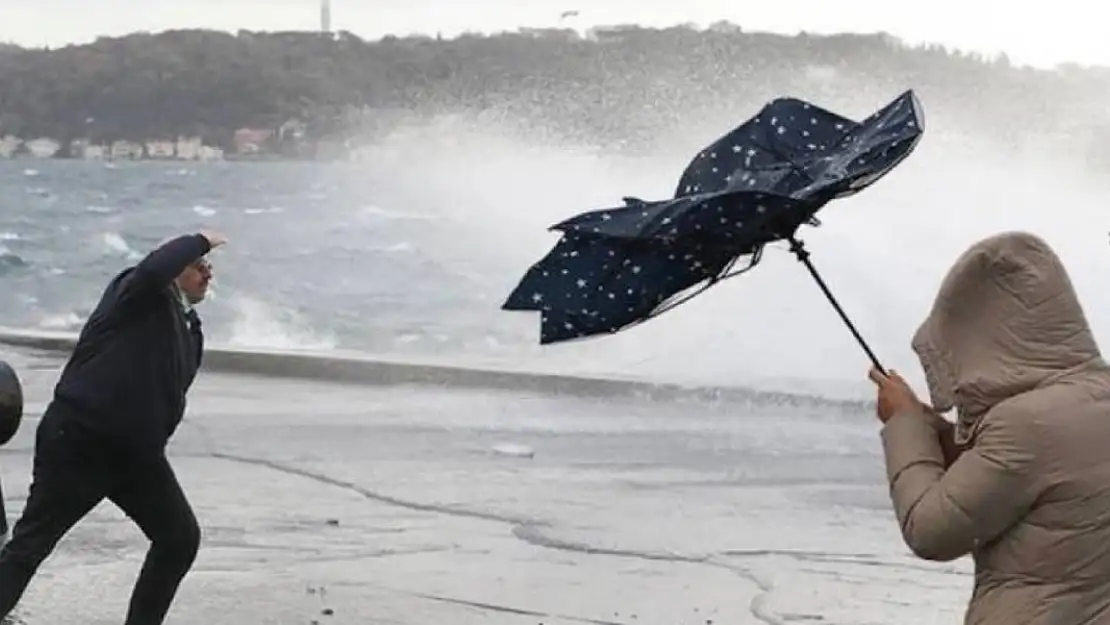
(136, 356)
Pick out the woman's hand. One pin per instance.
(894, 394)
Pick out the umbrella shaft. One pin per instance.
(799, 250)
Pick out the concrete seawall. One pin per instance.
(356, 369)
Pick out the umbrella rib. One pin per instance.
(712, 280)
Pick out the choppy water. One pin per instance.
(322, 256)
(315, 261)
(412, 252)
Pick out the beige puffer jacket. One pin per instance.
(1007, 344)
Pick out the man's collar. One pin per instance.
(179, 295)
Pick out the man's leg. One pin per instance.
(64, 489)
(155, 501)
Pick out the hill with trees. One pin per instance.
(617, 86)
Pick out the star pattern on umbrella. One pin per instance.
(758, 184)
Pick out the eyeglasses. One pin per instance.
(202, 265)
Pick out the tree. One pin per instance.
(617, 86)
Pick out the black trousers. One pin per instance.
(73, 472)
(3, 513)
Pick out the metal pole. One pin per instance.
(799, 250)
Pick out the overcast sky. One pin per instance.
(1036, 33)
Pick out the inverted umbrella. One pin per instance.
(617, 267)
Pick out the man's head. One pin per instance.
(193, 282)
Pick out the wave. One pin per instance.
(354, 368)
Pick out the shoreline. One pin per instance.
(352, 368)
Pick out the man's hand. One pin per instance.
(894, 396)
(215, 239)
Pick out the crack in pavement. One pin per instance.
(481, 605)
(857, 559)
(319, 558)
(757, 606)
(527, 530)
(510, 610)
(523, 528)
(374, 496)
(532, 536)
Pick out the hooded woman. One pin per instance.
(1024, 484)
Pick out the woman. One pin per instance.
(1025, 487)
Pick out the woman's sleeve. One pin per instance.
(944, 514)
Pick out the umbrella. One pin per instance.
(617, 267)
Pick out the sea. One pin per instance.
(421, 501)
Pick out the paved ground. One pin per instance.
(341, 504)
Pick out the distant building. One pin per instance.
(161, 150)
(126, 151)
(43, 147)
(209, 153)
(189, 148)
(85, 149)
(93, 153)
(251, 140)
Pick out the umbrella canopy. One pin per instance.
(758, 184)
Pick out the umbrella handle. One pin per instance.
(799, 250)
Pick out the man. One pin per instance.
(118, 401)
(1027, 491)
